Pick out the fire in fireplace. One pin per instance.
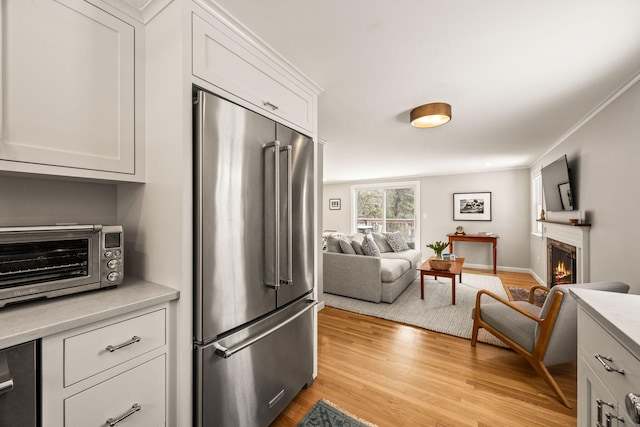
(561, 263)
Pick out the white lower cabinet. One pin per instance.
(112, 373)
(607, 373)
(134, 398)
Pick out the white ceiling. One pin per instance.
(518, 74)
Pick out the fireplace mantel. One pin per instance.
(571, 234)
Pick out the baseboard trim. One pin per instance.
(499, 267)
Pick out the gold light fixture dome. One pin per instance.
(430, 115)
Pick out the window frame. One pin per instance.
(537, 203)
(384, 186)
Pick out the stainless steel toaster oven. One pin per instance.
(49, 261)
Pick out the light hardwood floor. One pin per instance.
(397, 375)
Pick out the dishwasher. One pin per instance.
(19, 383)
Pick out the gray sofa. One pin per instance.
(369, 278)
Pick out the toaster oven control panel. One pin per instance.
(112, 256)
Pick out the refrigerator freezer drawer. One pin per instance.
(251, 385)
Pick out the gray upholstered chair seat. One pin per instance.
(519, 328)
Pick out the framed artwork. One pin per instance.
(472, 206)
(334, 204)
(565, 196)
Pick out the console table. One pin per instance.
(481, 238)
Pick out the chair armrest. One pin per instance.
(532, 291)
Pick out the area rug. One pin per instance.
(521, 294)
(435, 312)
(327, 414)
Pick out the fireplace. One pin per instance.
(573, 240)
(561, 263)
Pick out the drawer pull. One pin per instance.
(601, 402)
(270, 105)
(134, 339)
(611, 416)
(113, 421)
(604, 360)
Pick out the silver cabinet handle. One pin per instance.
(611, 416)
(134, 339)
(113, 421)
(632, 402)
(601, 402)
(609, 368)
(270, 105)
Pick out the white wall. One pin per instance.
(603, 156)
(510, 193)
(39, 201)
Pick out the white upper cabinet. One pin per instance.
(230, 62)
(68, 91)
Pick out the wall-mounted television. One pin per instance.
(556, 185)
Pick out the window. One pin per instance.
(385, 208)
(536, 203)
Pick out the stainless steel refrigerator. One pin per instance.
(253, 268)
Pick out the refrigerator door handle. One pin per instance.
(288, 279)
(226, 353)
(274, 243)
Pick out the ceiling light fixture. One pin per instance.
(430, 115)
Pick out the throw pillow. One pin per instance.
(381, 242)
(346, 247)
(397, 242)
(333, 244)
(357, 246)
(369, 246)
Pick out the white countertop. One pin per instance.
(33, 320)
(616, 312)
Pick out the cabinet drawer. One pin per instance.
(230, 63)
(593, 339)
(95, 351)
(142, 386)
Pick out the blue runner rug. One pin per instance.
(325, 414)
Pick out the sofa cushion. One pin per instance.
(397, 242)
(346, 247)
(369, 247)
(392, 269)
(357, 246)
(381, 242)
(333, 244)
(412, 255)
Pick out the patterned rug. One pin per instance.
(327, 414)
(435, 312)
(521, 294)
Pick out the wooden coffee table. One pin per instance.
(456, 269)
